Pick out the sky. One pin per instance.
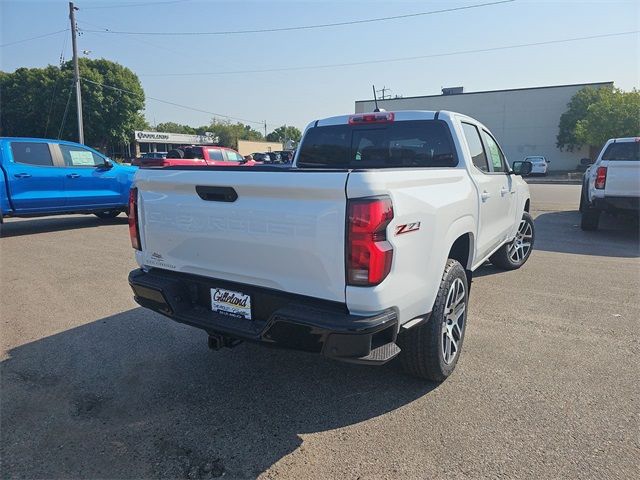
(299, 95)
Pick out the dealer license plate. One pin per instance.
(228, 302)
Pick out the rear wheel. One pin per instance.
(431, 350)
(590, 218)
(107, 214)
(514, 254)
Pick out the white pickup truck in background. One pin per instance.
(361, 251)
(612, 183)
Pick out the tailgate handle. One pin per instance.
(216, 194)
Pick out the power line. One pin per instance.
(111, 87)
(66, 110)
(310, 27)
(34, 38)
(55, 87)
(389, 60)
(127, 5)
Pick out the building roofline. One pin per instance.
(492, 91)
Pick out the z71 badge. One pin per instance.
(407, 228)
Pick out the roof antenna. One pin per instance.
(375, 99)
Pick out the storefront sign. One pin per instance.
(173, 138)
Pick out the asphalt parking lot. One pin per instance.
(93, 386)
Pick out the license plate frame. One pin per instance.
(231, 303)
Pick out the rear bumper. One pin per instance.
(618, 203)
(278, 318)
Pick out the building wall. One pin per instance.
(524, 121)
(245, 147)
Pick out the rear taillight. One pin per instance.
(134, 233)
(601, 178)
(379, 117)
(368, 254)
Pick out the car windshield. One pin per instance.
(416, 143)
(623, 151)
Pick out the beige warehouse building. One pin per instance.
(524, 120)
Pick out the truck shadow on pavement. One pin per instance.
(560, 232)
(16, 228)
(136, 396)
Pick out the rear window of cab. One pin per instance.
(622, 151)
(414, 143)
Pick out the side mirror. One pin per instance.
(522, 168)
(108, 164)
(585, 161)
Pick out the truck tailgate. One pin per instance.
(623, 178)
(285, 230)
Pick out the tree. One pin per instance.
(229, 133)
(597, 114)
(616, 114)
(34, 102)
(283, 133)
(172, 127)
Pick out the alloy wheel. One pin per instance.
(521, 245)
(453, 321)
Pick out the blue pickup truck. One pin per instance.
(48, 177)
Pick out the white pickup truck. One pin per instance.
(361, 251)
(612, 183)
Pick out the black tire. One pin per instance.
(107, 215)
(422, 352)
(590, 219)
(505, 258)
(584, 201)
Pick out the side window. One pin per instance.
(478, 156)
(79, 157)
(215, 154)
(497, 158)
(233, 156)
(194, 153)
(32, 153)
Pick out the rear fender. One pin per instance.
(462, 226)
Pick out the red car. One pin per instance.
(197, 155)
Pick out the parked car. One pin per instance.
(539, 164)
(363, 251)
(197, 155)
(286, 156)
(46, 177)
(261, 157)
(274, 157)
(612, 183)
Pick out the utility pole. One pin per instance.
(76, 70)
(384, 95)
(265, 129)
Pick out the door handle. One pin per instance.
(504, 191)
(73, 175)
(485, 195)
(22, 175)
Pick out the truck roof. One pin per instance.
(398, 116)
